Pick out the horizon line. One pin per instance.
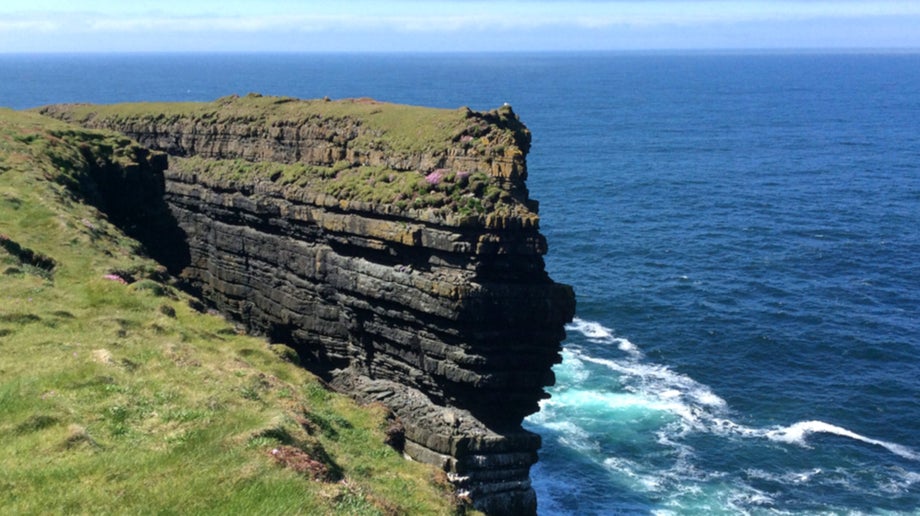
(689, 50)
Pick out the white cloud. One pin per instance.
(428, 25)
(455, 16)
(29, 25)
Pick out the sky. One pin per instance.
(445, 26)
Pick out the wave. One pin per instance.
(598, 333)
(630, 428)
(663, 388)
(696, 406)
(789, 477)
(797, 433)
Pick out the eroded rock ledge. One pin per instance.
(395, 248)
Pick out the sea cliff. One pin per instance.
(394, 248)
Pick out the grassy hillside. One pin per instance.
(116, 396)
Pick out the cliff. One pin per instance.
(394, 248)
(118, 395)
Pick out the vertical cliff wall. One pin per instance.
(395, 248)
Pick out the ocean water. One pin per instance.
(743, 235)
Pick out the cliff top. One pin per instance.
(402, 128)
(458, 166)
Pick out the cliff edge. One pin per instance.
(395, 248)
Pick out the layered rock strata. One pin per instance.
(434, 302)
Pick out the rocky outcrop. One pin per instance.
(434, 302)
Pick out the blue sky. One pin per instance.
(419, 25)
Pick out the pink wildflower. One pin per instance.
(435, 177)
(115, 277)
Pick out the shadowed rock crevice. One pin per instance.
(394, 248)
(129, 188)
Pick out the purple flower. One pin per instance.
(435, 177)
(115, 277)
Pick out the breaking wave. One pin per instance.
(673, 446)
(698, 408)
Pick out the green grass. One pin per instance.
(454, 195)
(390, 127)
(462, 196)
(120, 398)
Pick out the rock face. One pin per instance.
(434, 301)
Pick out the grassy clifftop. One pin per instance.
(116, 395)
(457, 164)
(400, 128)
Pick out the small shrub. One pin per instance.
(77, 435)
(151, 286)
(301, 462)
(285, 353)
(35, 423)
(19, 318)
(353, 501)
(250, 392)
(395, 435)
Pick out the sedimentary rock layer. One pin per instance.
(404, 268)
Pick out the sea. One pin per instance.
(742, 230)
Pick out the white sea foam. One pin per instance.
(798, 432)
(629, 347)
(573, 370)
(641, 481)
(574, 437)
(628, 396)
(598, 333)
(665, 389)
(590, 329)
(697, 407)
(901, 483)
(750, 497)
(789, 477)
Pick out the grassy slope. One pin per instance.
(119, 398)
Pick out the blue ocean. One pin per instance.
(743, 234)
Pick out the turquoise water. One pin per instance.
(742, 232)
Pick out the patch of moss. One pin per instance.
(466, 194)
